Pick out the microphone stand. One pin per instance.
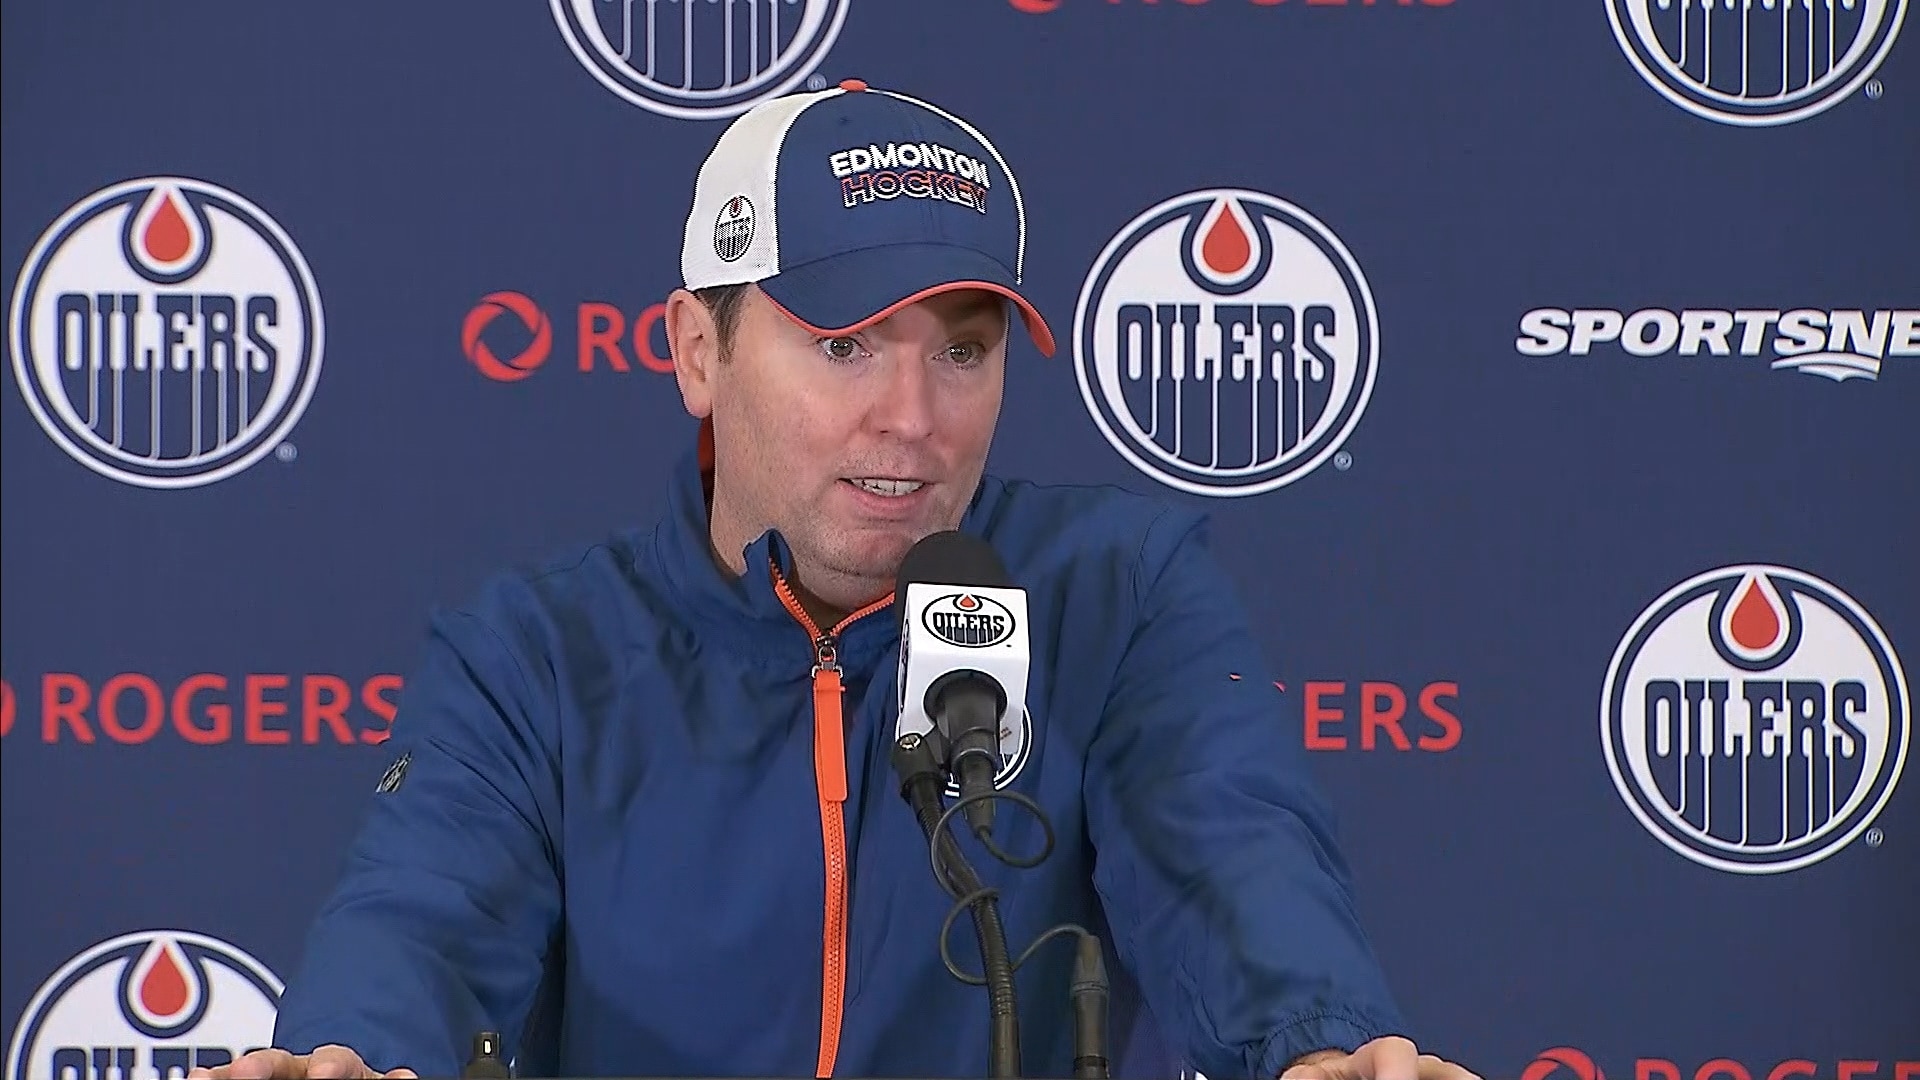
(1089, 998)
(914, 759)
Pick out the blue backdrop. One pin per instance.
(1551, 370)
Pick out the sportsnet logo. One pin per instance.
(1225, 342)
(1754, 64)
(699, 60)
(152, 1004)
(1755, 719)
(166, 333)
(1838, 344)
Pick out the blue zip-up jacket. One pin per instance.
(605, 834)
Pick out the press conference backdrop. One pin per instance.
(1550, 371)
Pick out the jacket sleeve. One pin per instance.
(450, 896)
(1215, 853)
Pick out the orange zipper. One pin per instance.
(830, 779)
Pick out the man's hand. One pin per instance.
(1389, 1057)
(325, 1063)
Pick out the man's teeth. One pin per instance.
(888, 487)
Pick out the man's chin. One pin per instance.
(875, 551)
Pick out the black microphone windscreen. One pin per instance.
(952, 558)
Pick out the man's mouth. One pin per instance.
(884, 486)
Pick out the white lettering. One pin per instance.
(1593, 325)
(1849, 328)
(1801, 333)
(923, 155)
(1906, 334)
(1707, 328)
(1543, 332)
(1753, 327)
(1633, 336)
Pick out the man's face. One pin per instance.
(853, 447)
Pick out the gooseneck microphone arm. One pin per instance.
(915, 759)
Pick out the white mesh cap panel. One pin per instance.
(742, 164)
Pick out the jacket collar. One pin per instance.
(746, 613)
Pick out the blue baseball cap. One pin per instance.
(846, 204)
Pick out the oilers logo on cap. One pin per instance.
(849, 203)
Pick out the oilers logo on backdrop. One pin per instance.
(1755, 719)
(149, 1004)
(166, 333)
(1226, 342)
(1756, 62)
(693, 60)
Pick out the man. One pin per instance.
(641, 819)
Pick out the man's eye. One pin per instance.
(841, 348)
(970, 352)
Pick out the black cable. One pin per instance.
(915, 759)
(956, 875)
(1046, 828)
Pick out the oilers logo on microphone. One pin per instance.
(1226, 342)
(166, 333)
(1755, 719)
(151, 1004)
(968, 620)
(696, 61)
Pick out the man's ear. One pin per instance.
(693, 339)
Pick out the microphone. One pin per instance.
(964, 659)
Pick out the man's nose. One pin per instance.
(903, 404)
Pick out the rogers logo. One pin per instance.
(530, 356)
(209, 709)
(1567, 1063)
(1563, 1063)
(507, 337)
(1380, 716)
